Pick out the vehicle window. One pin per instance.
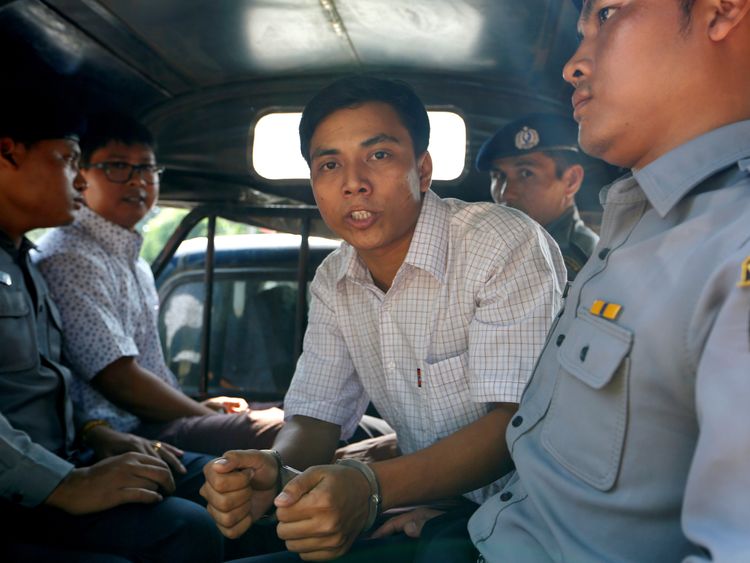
(276, 155)
(161, 222)
(252, 332)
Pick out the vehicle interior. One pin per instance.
(201, 74)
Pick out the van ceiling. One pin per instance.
(199, 71)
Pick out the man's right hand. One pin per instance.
(131, 477)
(239, 488)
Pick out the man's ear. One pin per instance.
(726, 15)
(11, 152)
(425, 171)
(573, 178)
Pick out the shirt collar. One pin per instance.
(114, 238)
(672, 176)
(428, 249)
(561, 226)
(7, 244)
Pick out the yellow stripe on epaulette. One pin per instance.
(597, 307)
(609, 311)
(612, 311)
(745, 274)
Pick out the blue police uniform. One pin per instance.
(631, 441)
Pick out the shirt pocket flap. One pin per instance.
(594, 349)
(13, 304)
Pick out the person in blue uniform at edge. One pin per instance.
(536, 166)
(56, 503)
(632, 439)
(433, 309)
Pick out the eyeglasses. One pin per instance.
(121, 172)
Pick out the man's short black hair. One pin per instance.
(106, 127)
(352, 91)
(687, 12)
(563, 160)
(30, 115)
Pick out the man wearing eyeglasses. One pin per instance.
(107, 297)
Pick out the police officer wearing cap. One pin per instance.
(535, 166)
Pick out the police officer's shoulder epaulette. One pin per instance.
(745, 274)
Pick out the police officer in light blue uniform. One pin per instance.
(632, 439)
(535, 165)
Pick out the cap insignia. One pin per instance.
(526, 139)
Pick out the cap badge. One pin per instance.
(526, 139)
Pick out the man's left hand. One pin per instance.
(322, 511)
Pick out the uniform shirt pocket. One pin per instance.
(18, 347)
(584, 429)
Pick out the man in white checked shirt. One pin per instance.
(434, 310)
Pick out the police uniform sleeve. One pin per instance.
(28, 471)
(716, 510)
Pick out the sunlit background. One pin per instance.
(276, 154)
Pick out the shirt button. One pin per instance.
(517, 421)
(584, 353)
(506, 496)
(603, 253)
(391, 365)
(560, 340)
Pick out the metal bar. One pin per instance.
(207, 309)
(183, 229)
(301, 311)
(237, 213)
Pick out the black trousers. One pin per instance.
(174, 530)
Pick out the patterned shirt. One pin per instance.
(107, 298)
(459, 329)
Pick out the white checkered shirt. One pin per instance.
(467, 314)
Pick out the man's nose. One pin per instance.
(355, 181)
(79, 182)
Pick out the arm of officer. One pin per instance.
(716, 508)
(31, 475)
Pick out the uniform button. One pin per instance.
(584, 353)
(560, 340)
(506, 496)
(517, 421)
(603, 253)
